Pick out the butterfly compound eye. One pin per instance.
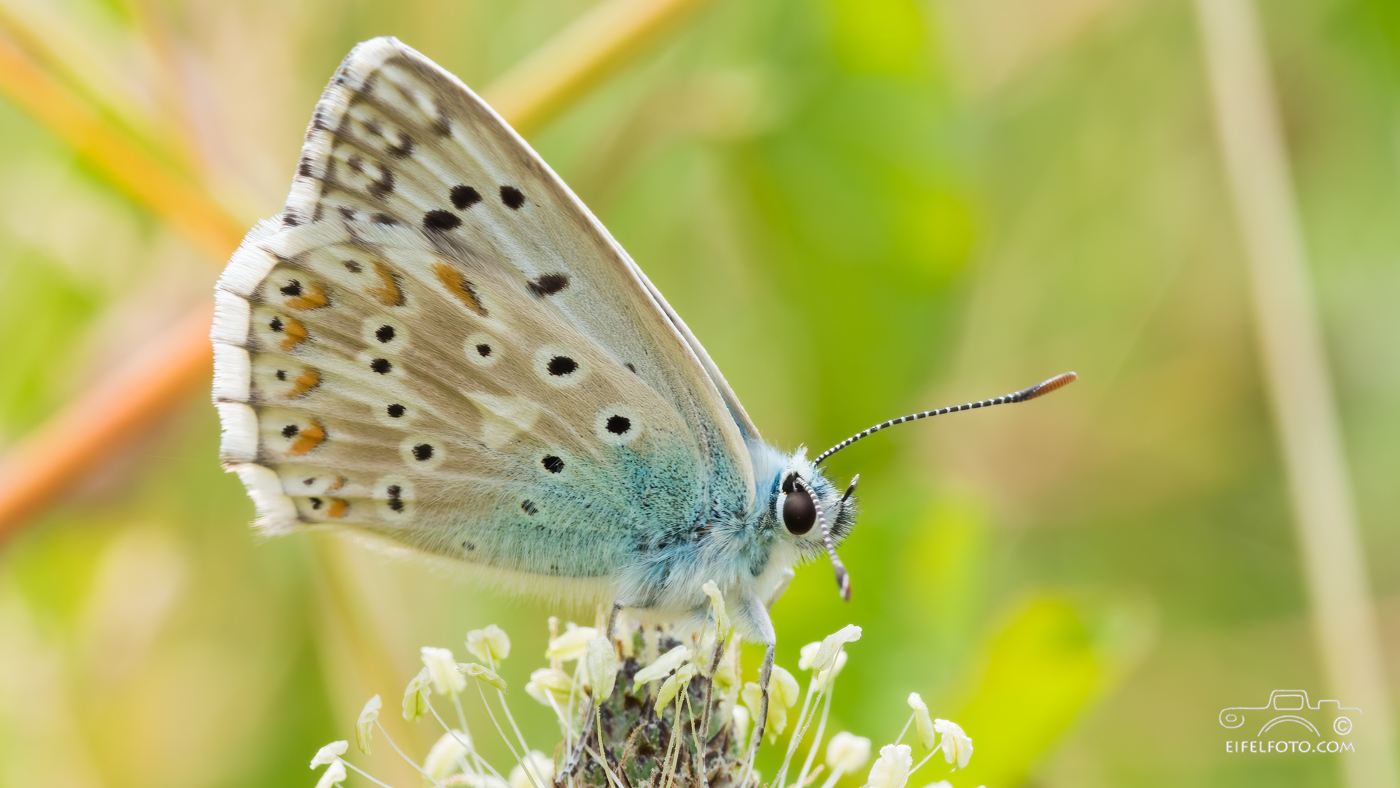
(799, 513)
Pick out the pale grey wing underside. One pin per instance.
(731, 400)
(440, 344)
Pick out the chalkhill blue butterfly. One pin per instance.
(437, 345)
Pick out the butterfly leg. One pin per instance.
(612, 620)
(588, 714)
(757, 613)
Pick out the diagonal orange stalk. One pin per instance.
(109, 412)
(171, 197)
(65, 54)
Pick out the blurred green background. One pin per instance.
(863, 208)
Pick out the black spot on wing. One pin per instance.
(561, 365)
(423, 452)
(552, 464)
(441, 221)
(529, 506)
(464, 197)
(396, 410)
(512, 197)
(619, 425)
(381, 365)
(548, 284)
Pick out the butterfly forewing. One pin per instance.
(438, 343)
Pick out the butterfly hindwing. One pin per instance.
(439, 344)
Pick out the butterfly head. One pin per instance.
(815, 515)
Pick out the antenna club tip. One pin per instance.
(1058, 382)
(843, 582)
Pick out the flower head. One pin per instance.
(809, 657)
(447, 755)
(847, 752)
(549, 682)
(540, 772)
(722, 625)
(740, 716)
(329, 753)
(490, 645)
(674, 685)
(927, 735)
(831, 646)
(602, 666)
(482, 673)
(333, 775)
(415, 696)
(785, 686)
(727, 672)
(364, 726)
(891, 769)
(571, 645)
(442, 668)
(783, 694)
(663, 665)
(956, 744)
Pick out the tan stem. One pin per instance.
(1299, 384)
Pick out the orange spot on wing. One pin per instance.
(340, 481)
(389, 293)
(458, 286)
(295, 333)
(337, 508)
(312, 296)
(308, 438)
(304, 383)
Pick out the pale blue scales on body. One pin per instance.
(436, 344)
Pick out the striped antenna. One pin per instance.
(1024, 395)
(843, 578)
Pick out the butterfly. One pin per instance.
(437, 345)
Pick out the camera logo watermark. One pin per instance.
(1289, 723)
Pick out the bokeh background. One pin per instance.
(863, 208)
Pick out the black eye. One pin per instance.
(799, 513)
